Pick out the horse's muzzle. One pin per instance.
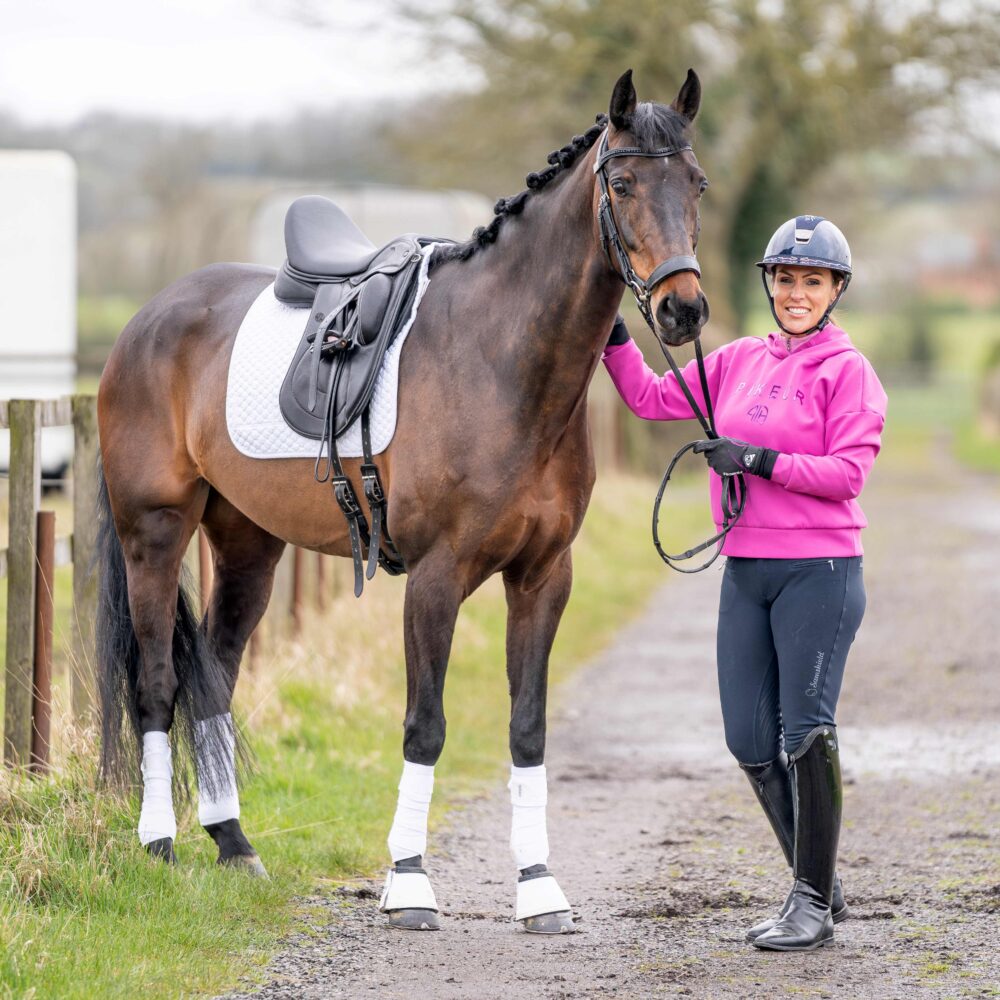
(678, 320)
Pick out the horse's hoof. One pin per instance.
(162, 849)
(249, 863)
(414, 920)
(550, 923)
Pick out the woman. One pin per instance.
(802, 413)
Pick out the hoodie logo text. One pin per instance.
(772, 391)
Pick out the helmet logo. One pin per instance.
(805, 225)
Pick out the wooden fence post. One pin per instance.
(321, 582)
(85, 451)
(298, 587)
(41, 707)
(279, 609)
(205, 570)
(24, 420)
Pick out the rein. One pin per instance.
(734, 492)
(734, 487)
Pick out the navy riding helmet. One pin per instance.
(808, 241)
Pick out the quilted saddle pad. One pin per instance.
(262, 352)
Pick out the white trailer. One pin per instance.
(38, 278)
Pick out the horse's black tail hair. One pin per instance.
(203, 688)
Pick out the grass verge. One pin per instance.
(84, 913)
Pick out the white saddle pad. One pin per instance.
(262, 352)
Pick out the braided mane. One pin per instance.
(559, 160)
(652, 125)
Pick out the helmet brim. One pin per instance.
(796, 260)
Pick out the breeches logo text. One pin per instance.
(813, 688)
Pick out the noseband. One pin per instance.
(611, 238)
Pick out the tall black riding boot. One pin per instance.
(807, 922)
(772, 785)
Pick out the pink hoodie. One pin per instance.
(821, 406)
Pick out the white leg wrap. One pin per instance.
(407, 890)
(156, 820)
(528, 837)
(219, 775)
(538, 896)
(408, 836)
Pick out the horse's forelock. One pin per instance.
(656, 126)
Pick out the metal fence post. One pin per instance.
(24, 420)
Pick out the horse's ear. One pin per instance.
(689, 98)
(622, 101)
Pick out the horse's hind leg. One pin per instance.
(154, 536)
(244, 557)
(433, 596)
(534, 608)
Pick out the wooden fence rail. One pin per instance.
(33, 552)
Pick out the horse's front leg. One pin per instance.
(433, 596)
(533, 613)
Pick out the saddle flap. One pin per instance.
(372, 303)
(375, 311)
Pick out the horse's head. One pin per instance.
(649, 189)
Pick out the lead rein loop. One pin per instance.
(734, 493)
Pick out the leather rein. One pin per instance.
(734, 487)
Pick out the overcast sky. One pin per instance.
(204, 59)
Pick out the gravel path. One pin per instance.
(659, 844)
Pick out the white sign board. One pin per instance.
(38, 304)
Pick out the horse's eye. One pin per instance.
(703, 186)
(619, 187)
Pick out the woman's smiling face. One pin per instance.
(802, 295)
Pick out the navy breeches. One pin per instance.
(785, 628)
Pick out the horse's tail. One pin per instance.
(203, 688)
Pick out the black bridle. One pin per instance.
(611, 239)
(734, 487)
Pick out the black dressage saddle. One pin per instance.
(359, 297)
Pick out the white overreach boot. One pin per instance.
(541, 905)
(408, 897)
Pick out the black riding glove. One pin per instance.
(619, 332)
(727, 457)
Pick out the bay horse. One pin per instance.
(490, 471)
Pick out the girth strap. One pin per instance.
(343, 491)
(391, 561)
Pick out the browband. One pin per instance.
(604, 154)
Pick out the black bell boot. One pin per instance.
(807, 922)
(772, 784)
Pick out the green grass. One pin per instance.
(84, 913)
